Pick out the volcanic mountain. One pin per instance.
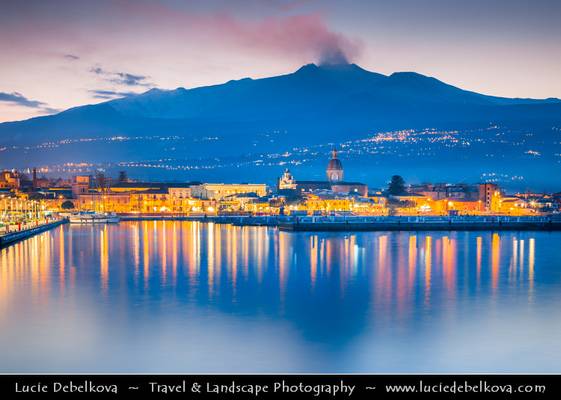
(332, 100)
(315, 104)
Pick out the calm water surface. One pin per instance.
(193, 297)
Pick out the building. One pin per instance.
(39, 183)
(441, 191)
(327, 202)
(129, 187)
(409, 204)
(515, 206)
(103, 202)
(217, 191)
(180, 192)
(461, 197)
(150, 201)
(9, 180)
(334, 169)
(80, 185)
(459, 206)
(303, 187)
(350, 188)
(369, 206)
(286, 181)
(490, 196)
(334, 182)
(139, 197)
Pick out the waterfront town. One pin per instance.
(29, 199)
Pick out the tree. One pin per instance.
(397, 186)
(67, 205)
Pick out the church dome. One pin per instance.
(334, 168)
(335, 163)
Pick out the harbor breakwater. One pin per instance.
(376, 223)
(13, 237)
(426, 224)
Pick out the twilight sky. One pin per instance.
(55, 54)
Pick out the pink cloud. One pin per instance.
(304, 36)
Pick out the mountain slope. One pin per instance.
(309, 100)
(309, 89)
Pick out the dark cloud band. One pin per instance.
(110, 94)
(21, 100)
(121, 78)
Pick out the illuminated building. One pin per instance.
(326, 202)
(103, 202)
(409, 204)
(334, 182)
(286, 181)
(334, 168)
(217, 191)
(9, 180)
(150, 201)
(369, 206)
(262, 205)
(20, 212)
(461, 198)
(441, 191)
(137, 186)
(489, 194)
(80, 185)
(179, 192)
(515, 206)
(140, 197)
(293, 196)
(179, 199)
(459, 206)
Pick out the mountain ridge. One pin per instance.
(333, 102)
(325, 74)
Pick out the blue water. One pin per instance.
(194, 297)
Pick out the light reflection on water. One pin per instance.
(192, 297)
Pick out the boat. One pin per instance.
(112, 218)
(87, 218)
(94, 218)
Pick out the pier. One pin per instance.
(237, 220)
(424, 223)
(13, 237)
(373, 223)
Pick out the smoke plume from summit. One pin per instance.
(304, 37)
(307, 37)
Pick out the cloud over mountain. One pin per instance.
(110, 94)
(121, 78)
(19, 99)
